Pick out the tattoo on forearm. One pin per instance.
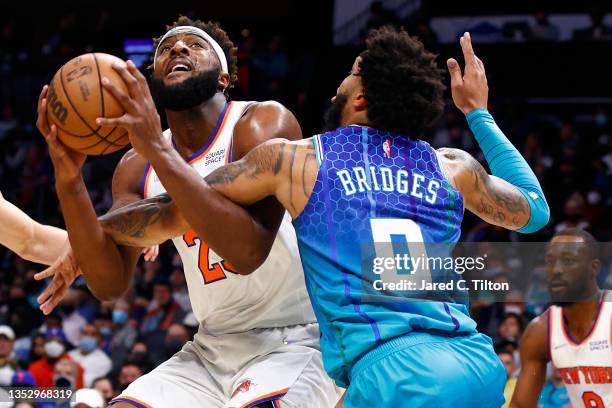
(496, 202)
(132, 221)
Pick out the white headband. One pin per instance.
(200, 33)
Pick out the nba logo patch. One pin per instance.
(387, 148)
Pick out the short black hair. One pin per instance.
(402, 83)
(213, 29)
(589, 240)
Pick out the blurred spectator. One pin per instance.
(104, 385)
(7, 361)
(8, 121)
(55, 350)
(72, 320)
(507, 360)
(511, 327)
(94, 361)
(125, 333)
(163, 310)
(180, 294)
(574, 214)
(554, 394)
(66, 374)
(176, 337)
(88, 398)
(139, 355)
(543, 30)
(128, 374)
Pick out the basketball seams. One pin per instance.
(95, 131)
(109, 144)
(99, 84)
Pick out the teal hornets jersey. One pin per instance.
(375, 187)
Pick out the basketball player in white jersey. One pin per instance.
(575, 333)
(257, 344)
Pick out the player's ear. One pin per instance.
(359, 100)
(224, 81)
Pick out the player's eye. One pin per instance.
(196, 45)
(165, 48)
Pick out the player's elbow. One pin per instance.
(107, 293)
(538, 218)
(250, 260)
(105, 289)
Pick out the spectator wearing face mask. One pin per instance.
(94, 361)
(125, 333)
(55, 350)
(129, 373)
(105, 387)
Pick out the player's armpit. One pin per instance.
(494, 200)
(278, 167)
(534, 357)
(144, 223)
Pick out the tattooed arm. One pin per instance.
(494, 200)
(286, 170)
(144, 223)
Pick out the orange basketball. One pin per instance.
(76, 98)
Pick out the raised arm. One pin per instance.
(511, 197)
(534, 357)
(28, 238)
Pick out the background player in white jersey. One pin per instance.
(575, 334)
(257, 344)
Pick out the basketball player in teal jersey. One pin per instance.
(369, 179)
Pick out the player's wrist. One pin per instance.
(69, 183)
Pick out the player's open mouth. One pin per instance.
(177, 67)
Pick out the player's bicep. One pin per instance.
(492, 199)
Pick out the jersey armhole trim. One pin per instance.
(316, 140)
(549, 333)
(144, 183)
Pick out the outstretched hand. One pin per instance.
(141, 119)
(470, 90)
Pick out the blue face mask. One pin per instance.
(105, 331)
(119, 316)
(88, 343)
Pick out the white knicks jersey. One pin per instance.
(585, 366)
(224, 302)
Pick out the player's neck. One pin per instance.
(580, 315)
(192, 128)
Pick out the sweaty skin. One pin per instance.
(107, 249)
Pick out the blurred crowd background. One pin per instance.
(550, 93)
